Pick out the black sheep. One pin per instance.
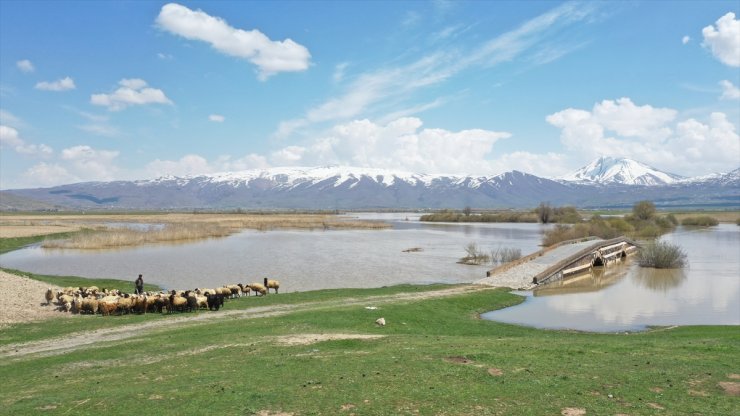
(215, 301)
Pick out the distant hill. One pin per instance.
(603, 183)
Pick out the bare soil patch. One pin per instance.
(308, 339)
(23, 300)
(734, 376)
(271, 413)
(731, 388)
(496, 372)
(656, 406)
(573, 411)
(458, 360)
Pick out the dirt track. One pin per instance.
(89, 339)
(23, 300)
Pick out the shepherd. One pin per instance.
(139, 285)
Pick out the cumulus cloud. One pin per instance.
(88, 163)
(216, 118)
(131, 92)
(686, 39)
(47, 174)
(270, 56)
(724, 39)
(729, 90)
(7, 118)
(64, 84)
(193, 164)
(400, 144)
(652, 135)
(25, 66)
(10, 139)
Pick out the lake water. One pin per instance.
(624, 297)
(301, 260)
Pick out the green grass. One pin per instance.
(10, 244)
(235, 366)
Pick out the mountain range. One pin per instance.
(604, 183)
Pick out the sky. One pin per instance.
(120, 90)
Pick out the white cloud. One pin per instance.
(216, 118)
(376, 90)
(63, 84)
(549, 165)
(25, 66)
(131, 92)
(87, 163)
(729, 90)
(46, 174)
(10, 139)
(686, 39)
(9, 136)
(650, 135)
(164, 56)
(270, 56)
(400, 144)
(724, 39)
(193, 164)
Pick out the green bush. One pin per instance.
(643, 210)
(700, 221)
(662, 255)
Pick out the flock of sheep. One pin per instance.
(93, 300)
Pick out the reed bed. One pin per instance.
(662, 255)
(700, 221)
(187, 227)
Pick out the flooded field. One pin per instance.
(626, 297)
(619, 298)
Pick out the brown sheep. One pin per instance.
(106, 308)
(245, 289)
(258, 288)
(272, 284)
(49, 296)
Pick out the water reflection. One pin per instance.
(659, 279)
(594, 280)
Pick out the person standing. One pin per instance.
(139, 285)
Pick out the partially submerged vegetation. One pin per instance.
(662, 255)
(476, 256)
(544, 214)
(643, 222)
(700, 221)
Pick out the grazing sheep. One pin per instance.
(214, 301)
(88, 305)
(245, 289)
(272, 284)
(49, 296)
(258, 288)
(106, 307)
(177, 302)
(65, 302)
(125, 303)
(235, 291)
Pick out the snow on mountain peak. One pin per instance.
(607, 170)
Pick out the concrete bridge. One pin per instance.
(558, 261)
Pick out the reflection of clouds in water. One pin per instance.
(658, 279)
(623, 304)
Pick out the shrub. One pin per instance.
(505, 255)
(621, 225)
(474, 255)
(700, 221)
(672, 218)
(544, 212)
(643, 210)
(662, 255)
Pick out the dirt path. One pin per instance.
(86, 339)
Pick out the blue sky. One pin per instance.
(133, 90)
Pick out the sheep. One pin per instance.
(88, 305)
(49, 296)
(177, 302)
(125, 303)
(214, 301)
(106, 307)
(65, 302)
(234, 291)
(192, 299)
(140, 303)
(245, 289)
(272, 284)
(258, 288)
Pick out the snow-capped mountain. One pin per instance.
(621, 183)
(607, 171)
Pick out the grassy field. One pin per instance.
(434, 357)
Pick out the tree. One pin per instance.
(544, 212)
(467, 211)
(643, 210)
